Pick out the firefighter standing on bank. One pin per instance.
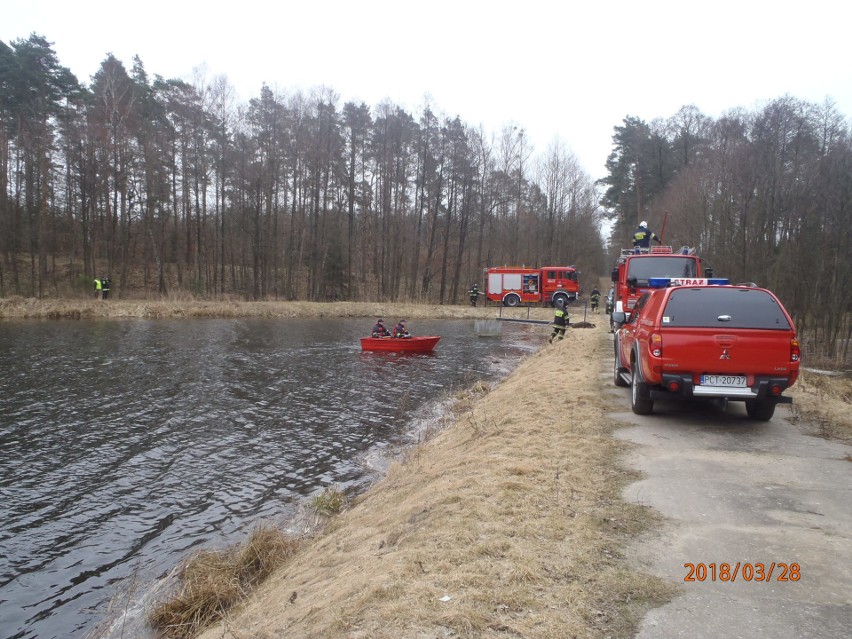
(105, 285)
(474, 293)
(560, 321)
(595, 299)
(98, 287)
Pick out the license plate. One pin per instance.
(729, 381)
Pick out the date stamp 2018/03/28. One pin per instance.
(744, 571)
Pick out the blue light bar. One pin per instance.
(663, 282)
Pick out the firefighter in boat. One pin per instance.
(379, 329)
(399, 330)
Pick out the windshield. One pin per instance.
(645, 267)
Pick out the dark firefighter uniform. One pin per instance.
(643, 236)
(474, 294)
(595, 299)
(560, 323)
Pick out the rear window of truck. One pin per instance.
(724, 308)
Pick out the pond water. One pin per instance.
(126, 444)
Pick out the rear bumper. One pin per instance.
(688, 390)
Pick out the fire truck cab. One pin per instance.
(635, 268)
(516, 285)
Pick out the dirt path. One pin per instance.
(740, 492)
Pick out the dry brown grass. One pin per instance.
(821, 405)
(211, 582)
(22, 308)
(505, 520)
(507, 523)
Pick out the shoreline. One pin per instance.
(31, 308)
(513, 511)
(507, 520)
(305, 522)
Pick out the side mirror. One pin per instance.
(615, 274)
(618, 318)
(708, 271)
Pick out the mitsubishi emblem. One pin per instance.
(725, 354)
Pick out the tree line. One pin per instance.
(765, 195)
(170, 186)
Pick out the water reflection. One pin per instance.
(125, 444)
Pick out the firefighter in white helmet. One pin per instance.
(643, 236)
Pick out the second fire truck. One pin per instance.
(635, 267)
(517, 285)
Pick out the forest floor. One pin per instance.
(506, 520)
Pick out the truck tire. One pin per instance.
(617, 369)
(760, 410)
(640, 395)
(512, 300)
(560, 299)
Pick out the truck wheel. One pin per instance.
(617, 369)
(640, 395)
(512, 300)
(560, 299)
(760, 410)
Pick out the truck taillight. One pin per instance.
(795, 353)
(655, 345)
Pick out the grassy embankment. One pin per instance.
(30, 308)
(506, 521)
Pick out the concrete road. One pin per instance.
(733, 490)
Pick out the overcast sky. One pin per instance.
(556, 68)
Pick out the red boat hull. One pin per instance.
(409, 344)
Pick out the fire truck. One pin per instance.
(517, 285)
(635, 267)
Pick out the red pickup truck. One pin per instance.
(703, 338)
